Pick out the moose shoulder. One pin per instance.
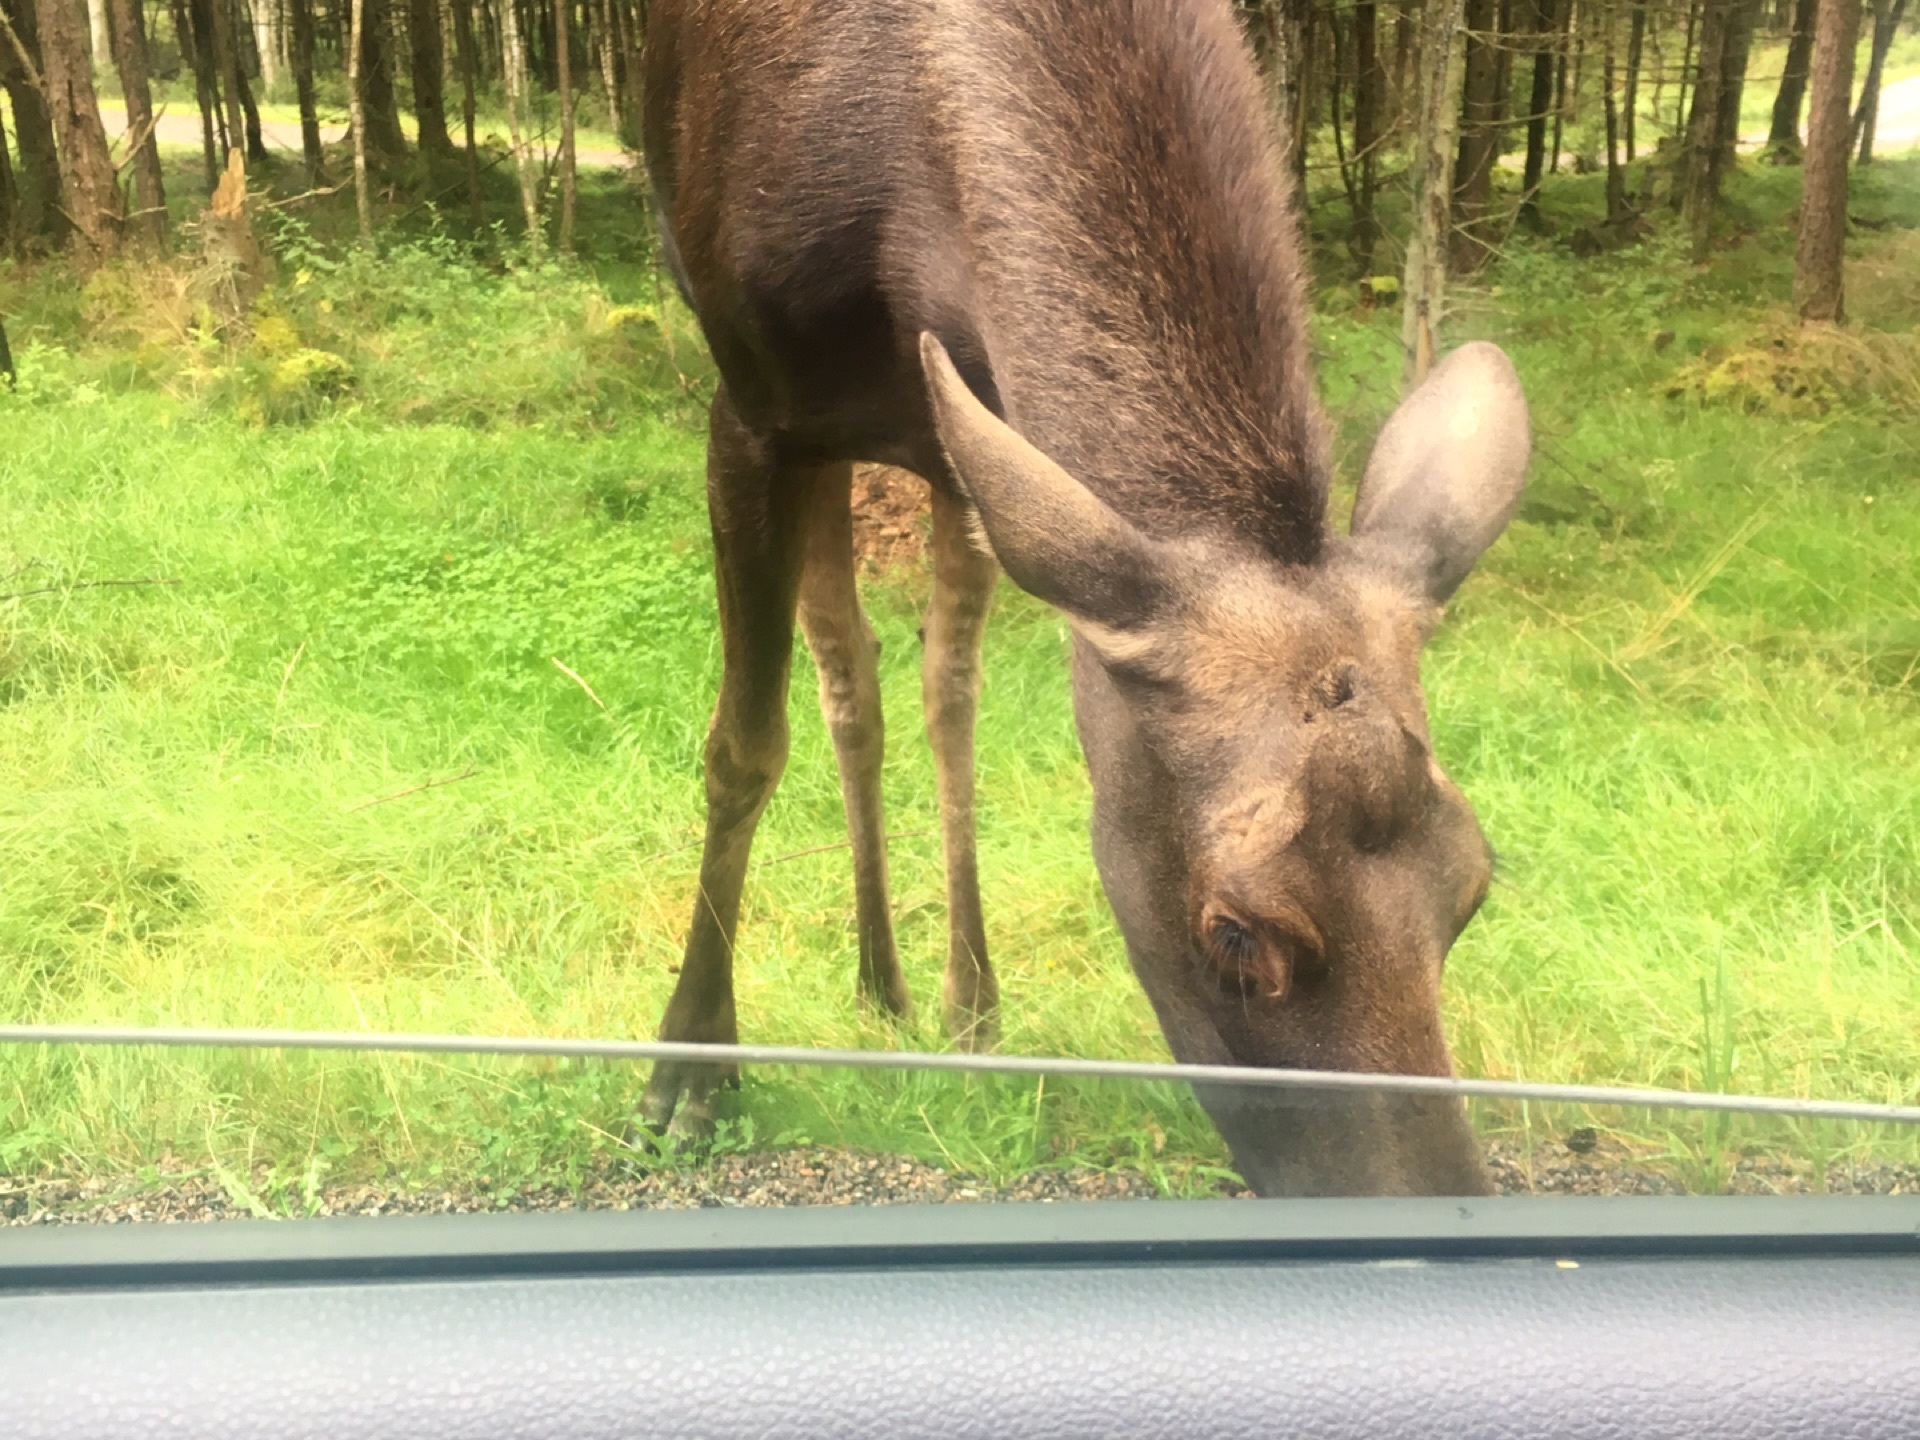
(1042, 253)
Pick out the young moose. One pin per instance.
(1042, 253)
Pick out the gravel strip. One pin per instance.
(1588, 1165)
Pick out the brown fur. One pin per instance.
(1042, 253)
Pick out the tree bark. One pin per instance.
(1733, 85)
(1818, 262)
(1783, 136)
(266, 43)
(563, 67)
(310, 146)
(514, 70)
(1702, 142)
(256, 141)
(1369, 81)
(1886, 19)
(609, 51)
(38, 214)
(227, 62)
(381, 112)
(357, 107)
(92, 200)
(1636, 41)
(463, 48)
(1442, 73)
(128, 28)
(1616, 171)
(1285, 52)
(1546, 30)
(1473, 166)
(190, 34)
(99, 32)
(429, 65)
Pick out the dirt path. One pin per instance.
(282, 137)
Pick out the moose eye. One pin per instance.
(1262, 959)
(1233, 945)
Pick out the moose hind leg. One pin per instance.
(950, 688)
(759, 512)
(846, 653)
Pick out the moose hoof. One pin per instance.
(973, 1009)
(681, 1104)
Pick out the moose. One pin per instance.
(1044, 255)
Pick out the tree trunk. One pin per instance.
(1616, 172)
(1818, 292)
(381, 112)
(514, 70)
(38, 212)
(99, 32)
(563, 67)
(130, 58)
(1473, 166)
(1560, 84)
(91, 198)
(463, 49)
(357, 107)
(1733, 85)
(1442, 74)
(609, 50)
(429, 65)
(631, 18)
(310, 146)
(1636, 41)
(1369, 80)
(227, 62)
(1546, 29)
(266, 43)
(1702, 142)
(1285, 50)
(1886, 19)
(1783, 137)
(189, 34)
(1694, 9)
(256, 141)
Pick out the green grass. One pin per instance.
(1682, 693)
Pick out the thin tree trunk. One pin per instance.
(266, 44)
(1546, 31)
(39, 214)
(92, 200)
(1636, 40)
(1703, 143)
(380, 110)
(1886, 19)
(429, 49)
(563, 66)
(1694, 11)
(1442, 73)
(357, 108)
(1733, 85)
(256, 141)
(1616, 172)
(631, 17)
(130, 58)
(189, 35)
(1285, 48)
(1818, 262)
(227, 60)
(1783, 136)
(463, 49)
(514, 71)
(609, 49)
(1560, 83)
(99, 32)
(310, 146)
(1369, 79)
(1473, 166)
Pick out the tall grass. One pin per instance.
(409, 738)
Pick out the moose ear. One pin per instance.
(1446, 473)
(1055, 538)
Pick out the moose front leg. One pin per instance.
(950, 687)
(759, 512)
(846, 653)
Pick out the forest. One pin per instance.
(357, 629)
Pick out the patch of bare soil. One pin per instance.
(890, 518)
(1589, 1166)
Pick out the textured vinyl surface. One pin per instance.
(1639, 1349)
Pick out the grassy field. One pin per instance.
(399, 729)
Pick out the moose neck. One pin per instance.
(1133, 259)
